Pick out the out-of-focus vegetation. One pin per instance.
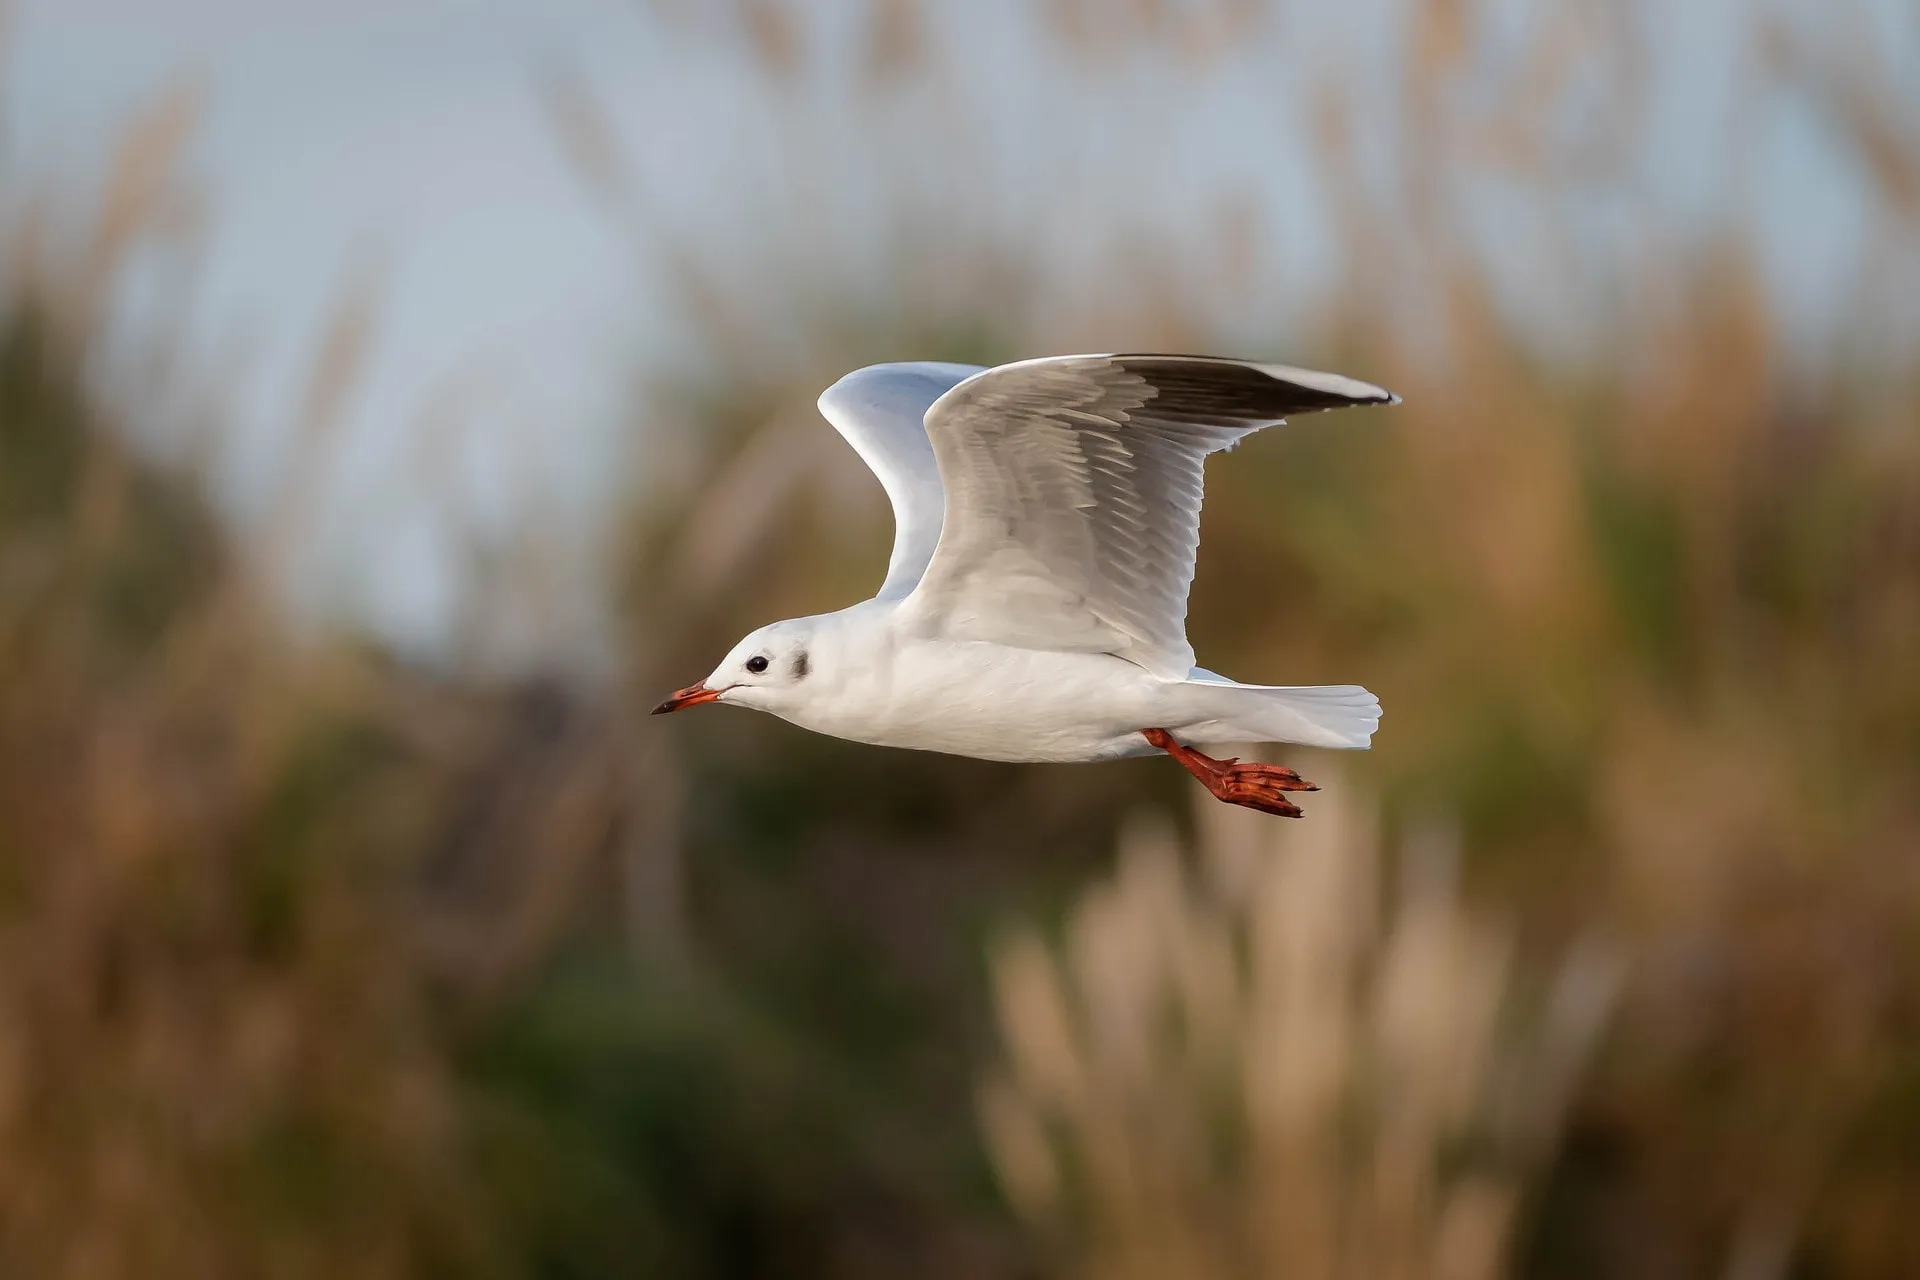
(1253, 1074)
(315, 963)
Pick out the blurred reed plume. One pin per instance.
(198, 992)
(250, 882)
(1254, 1068)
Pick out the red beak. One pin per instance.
(691, 696)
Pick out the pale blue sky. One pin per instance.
(411, 133)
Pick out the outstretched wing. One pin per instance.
(881, 410)
(1073, 495)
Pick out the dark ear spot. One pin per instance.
(800, 667)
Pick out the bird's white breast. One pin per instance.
(988, 701)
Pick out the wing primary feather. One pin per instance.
(1073, 491)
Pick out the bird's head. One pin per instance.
(765, 671)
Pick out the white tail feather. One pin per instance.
(1339, 716)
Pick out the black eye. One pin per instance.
(756, 664)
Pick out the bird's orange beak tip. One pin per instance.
(691, 696)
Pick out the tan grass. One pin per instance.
(1267, 1065)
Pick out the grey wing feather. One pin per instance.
(1073, 489)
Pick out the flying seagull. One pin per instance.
(1046, 517)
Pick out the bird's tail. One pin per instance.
(1341, 716)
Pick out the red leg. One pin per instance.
(1257, 786)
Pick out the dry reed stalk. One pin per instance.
(1255, 1069)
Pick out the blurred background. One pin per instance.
(396, 399)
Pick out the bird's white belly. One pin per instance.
(992, 702)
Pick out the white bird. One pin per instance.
(1046, 518)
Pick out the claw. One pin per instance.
(1254, 785)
